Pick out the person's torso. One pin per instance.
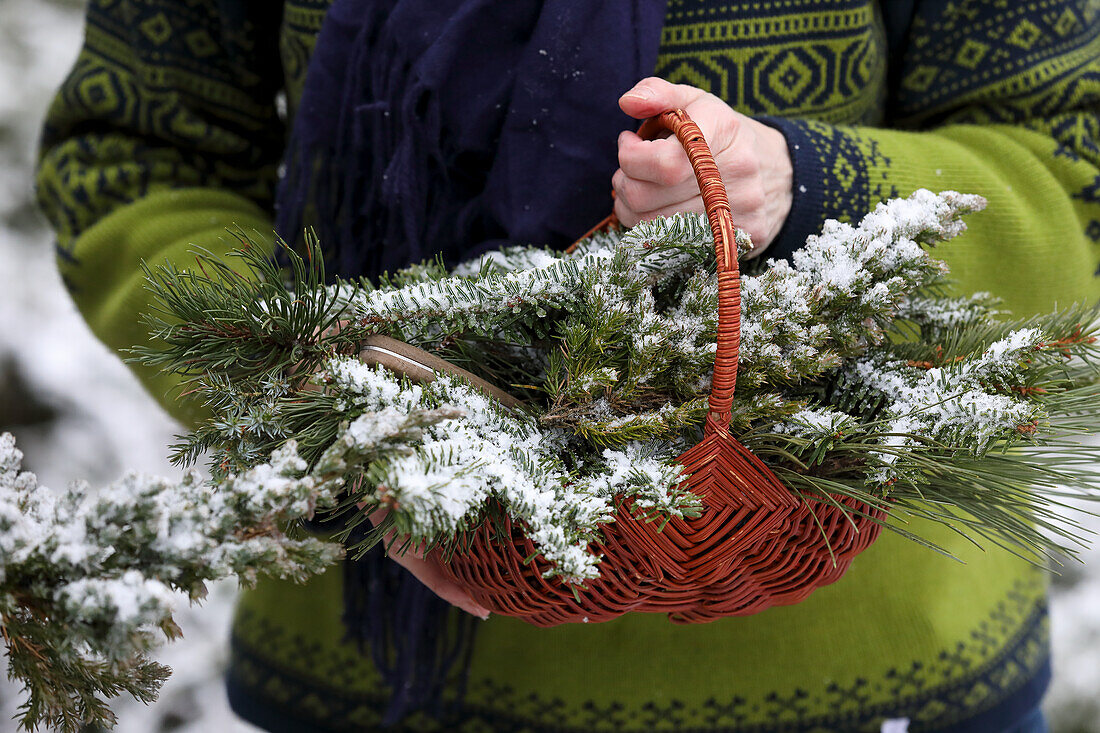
(817, 59)
(905, 628)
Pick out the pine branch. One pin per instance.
(857, 378)
(88, 581)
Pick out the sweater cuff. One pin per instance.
(829, 181)
(103, 271)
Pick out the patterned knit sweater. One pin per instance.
(168, 130)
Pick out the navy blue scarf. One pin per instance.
(453, 127)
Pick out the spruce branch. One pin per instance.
(854, 368)
(858, 378)
(88, 579)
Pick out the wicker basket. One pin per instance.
(755, 545)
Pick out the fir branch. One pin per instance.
(235, 316)
(857, 378)
(88, 581)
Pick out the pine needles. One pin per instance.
(857, 377)
(857, 380)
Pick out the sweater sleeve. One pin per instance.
(163, 135)
(995, 98)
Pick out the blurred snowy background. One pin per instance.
(78, 414)
(74, 408)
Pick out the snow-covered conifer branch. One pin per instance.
(856, 378)
(87, 579)
(441, 483)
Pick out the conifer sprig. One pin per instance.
(88, 579)
(856, 375)
(857, 378)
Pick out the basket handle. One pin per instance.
(717, 206)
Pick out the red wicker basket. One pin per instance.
(755, 545)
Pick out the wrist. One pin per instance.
(778, 174)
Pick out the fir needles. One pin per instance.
(857, 380)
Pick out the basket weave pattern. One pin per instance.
(755, 545)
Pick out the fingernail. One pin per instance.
(640, 92)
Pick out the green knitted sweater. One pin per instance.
(167, 131)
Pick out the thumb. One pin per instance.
(652, 95)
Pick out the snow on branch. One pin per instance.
(856, 378)
(87, 579)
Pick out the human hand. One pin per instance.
(656, 179)
(428, 569)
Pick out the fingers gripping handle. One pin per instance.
(717, 206)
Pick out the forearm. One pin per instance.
(1032, 240)
(104, 275)
(149, 151)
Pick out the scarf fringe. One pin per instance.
(348, 185)
(525, 91)
(371, 191)
(415, 639)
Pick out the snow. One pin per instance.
(816, 423)
(947, 313)
(1072, 702)
(162, 525)
(458, 449)
(516, 258)
(108, 423)
(131, 600)
(458, 300)
(945, 402)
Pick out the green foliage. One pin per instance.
(856, 378)
(88, 581)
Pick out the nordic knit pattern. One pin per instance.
(167, 130)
